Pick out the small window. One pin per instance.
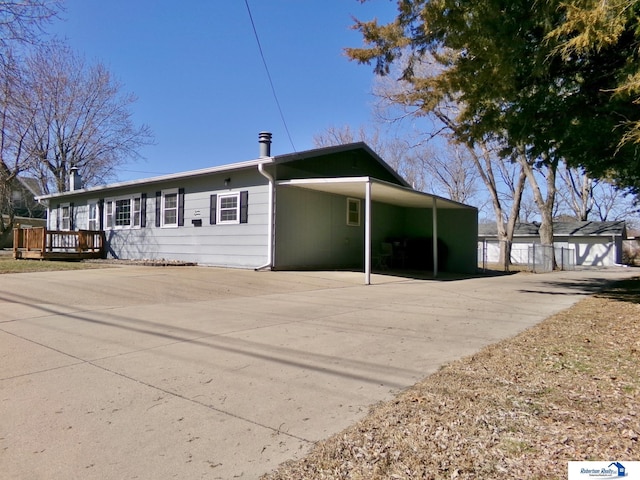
(229, 208)
(65, 217)
(109, 213)
(353, 212)
(170, 208)
(92, 220)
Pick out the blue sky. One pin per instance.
(201, 84)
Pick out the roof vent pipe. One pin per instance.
(75, 180)
(264, 138)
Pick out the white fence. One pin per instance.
(534, 257)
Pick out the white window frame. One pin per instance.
(220, 209)
(164, 209)
(111, 212)
(96, 218)
(65, 219)
(358, 210)
(136, 211)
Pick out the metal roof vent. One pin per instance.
(264, 138)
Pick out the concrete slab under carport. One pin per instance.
(460, 232)
(203, 372)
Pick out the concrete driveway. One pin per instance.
(193, 372)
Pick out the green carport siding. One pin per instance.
(356, 163)
(458, 229)
(312, 231)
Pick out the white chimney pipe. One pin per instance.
(75, 180)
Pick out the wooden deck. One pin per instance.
(42, 244)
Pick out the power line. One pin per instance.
(273, 89)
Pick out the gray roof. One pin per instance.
(276, 159)
(562, 229)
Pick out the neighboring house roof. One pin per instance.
(31, 184)
(562, 229)
(23, 197)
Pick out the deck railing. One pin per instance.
(29, 242)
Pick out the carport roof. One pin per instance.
(381, 191)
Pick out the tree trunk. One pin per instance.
(6, 227)
(514, 215)
(505, 231)
(545, 205)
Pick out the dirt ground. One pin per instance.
(565, 390)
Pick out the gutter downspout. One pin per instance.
(270, 216)
(45, 204)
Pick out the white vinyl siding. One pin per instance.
(238, 244)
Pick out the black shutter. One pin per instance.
(213, 205)
(244, 206)
(71, 220)
(158, 207)
(181, 207)
(101, 213)
(143, 210)
(58, 213)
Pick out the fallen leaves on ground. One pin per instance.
(565, 390)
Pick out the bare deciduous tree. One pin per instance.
(584, 198)
(16, 121)
(82, 119)
(575, 192)
(396, 152)
(452, 170)
(21, 23)
(399, 100)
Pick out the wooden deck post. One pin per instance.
(103, 244)
(16, 241)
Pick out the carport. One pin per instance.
(373, 190)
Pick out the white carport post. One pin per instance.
(435, 237)
(367, 232)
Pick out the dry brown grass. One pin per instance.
(567, 389)
(9, 265)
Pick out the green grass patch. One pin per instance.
(9, 265)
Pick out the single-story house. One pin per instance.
(326, 208)
(593, 243)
